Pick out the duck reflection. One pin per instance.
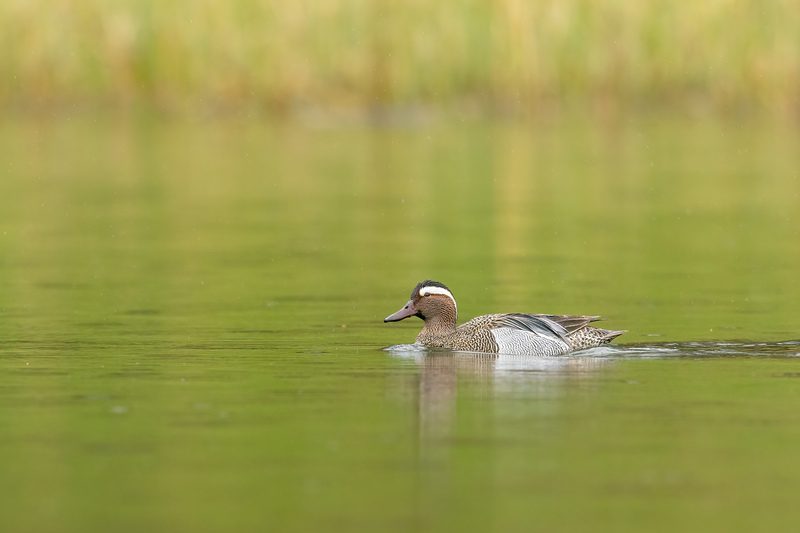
(488, 375)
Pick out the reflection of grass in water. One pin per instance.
(358, 52)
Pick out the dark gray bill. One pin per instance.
(407, 311)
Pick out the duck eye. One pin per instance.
(426, 294)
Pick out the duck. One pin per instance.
(506, 333)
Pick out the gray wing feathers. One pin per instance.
(571, 322)
(542, 325)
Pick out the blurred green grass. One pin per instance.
(512, 55)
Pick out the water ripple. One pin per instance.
(631, 351)
(701, 349)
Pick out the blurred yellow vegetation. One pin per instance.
(511, 54)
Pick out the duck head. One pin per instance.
(430, 300)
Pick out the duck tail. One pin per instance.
(607, 335)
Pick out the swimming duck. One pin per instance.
(508, 333)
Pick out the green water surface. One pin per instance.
(191, 332)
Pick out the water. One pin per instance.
(191, 331)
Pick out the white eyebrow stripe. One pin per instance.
(438, 290)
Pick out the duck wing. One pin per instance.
(571, 323)
(541, 325)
